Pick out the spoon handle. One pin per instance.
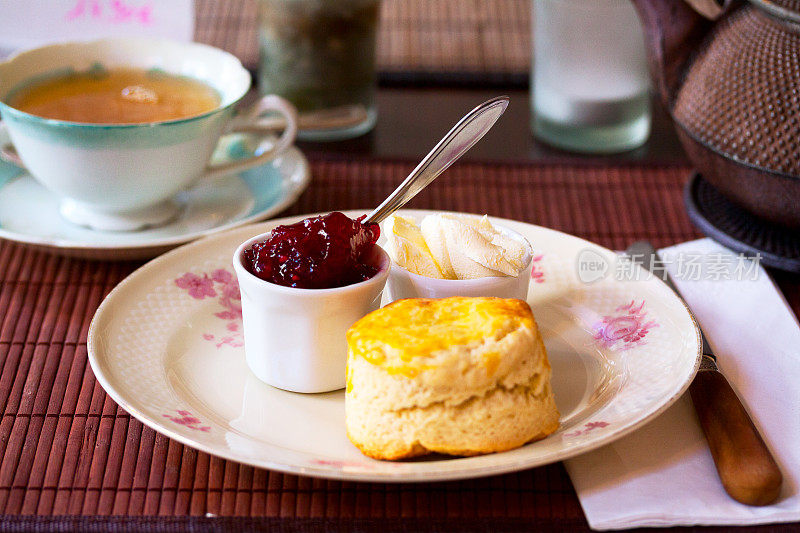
(463, 136)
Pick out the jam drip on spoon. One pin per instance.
(317, 253)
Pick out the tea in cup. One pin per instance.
(117, 127)
(116, 96)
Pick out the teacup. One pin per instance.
(123, 176)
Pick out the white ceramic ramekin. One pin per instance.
(294, 339)
(405, 284)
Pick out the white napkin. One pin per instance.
(663, 473)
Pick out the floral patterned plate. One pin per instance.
(167, 345)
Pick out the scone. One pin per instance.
(460, 376)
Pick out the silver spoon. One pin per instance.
(463, 136)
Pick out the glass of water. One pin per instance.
(589, 80)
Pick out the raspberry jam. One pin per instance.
(317, 253)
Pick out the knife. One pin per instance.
(745, 465)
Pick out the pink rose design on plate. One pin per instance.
(185, 418)
(223, 285)
(537, 273)
(197, 287)
(586, 428)
(626, 329)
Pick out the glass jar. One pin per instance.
(320, 55)
(589, 79)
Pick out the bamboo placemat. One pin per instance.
(67, 449)
(418, 39)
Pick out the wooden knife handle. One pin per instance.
(745, 465)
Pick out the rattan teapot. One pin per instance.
(729, 73)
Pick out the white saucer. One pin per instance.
(167, 345)
(29, 213)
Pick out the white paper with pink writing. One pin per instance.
(30, 23)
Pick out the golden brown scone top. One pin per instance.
(420, 326)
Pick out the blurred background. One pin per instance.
(456, 41)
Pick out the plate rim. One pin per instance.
(361, 475)
(298, 186)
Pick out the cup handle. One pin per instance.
(7, 151)
(249, 122)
